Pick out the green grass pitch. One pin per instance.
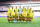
(4, 23)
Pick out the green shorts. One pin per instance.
(10, 16)
(20, 16)
(28, 17)
(16, 16)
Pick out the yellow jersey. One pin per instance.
(8, 12)
(24, 11)
(16, 11)
(31, 13)
(27, 10)
(12, 12)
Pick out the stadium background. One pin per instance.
(34, 4)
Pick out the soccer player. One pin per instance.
(27, 10)
(27, 14)
(13, 14)
(24, 13)
(8, 14)
(31, 15)
(20, 13)
(16, 13)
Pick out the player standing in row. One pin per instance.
(9, 17)
(27, 17)
(8, 14)
(24, 13)
(20, 13)
(13, 14)
(31, 14)
(16, 13)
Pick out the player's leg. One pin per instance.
(31, 18)
(13, 18)
(17, 18)
(20, 17)
(26, 19)
(9, 19)
(23, 18)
